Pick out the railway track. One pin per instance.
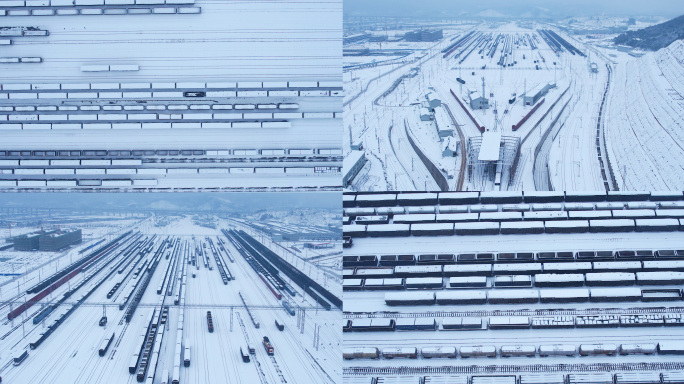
(536, 312)
(601, 142)
(541, 368)
(461, 137)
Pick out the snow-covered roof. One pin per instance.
(351, 159)
(489, 150)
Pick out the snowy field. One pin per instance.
(182, 261)
(172, 100)
(593, 129)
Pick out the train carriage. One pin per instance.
(418, 271)
(609, 279)
(467, 270)
(438, 352)
(424, 283)
(513, 296)
(410, 298)
(559, 280)
(638, 349)
(671, 348)
(598, 349)
(574, 295)
(513, 281)
(360, 353)
(557, 350)
(542, 378)
(467, 282)
(615, 294)
(460, 323)
(590, 378)
(637, 378)
(460, 297)
(660, 278)
(404, 352)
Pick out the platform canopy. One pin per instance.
(489, 150)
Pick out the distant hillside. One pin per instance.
(654, 37)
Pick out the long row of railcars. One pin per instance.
(456, 198)
(476, 322)
(516, 350)
(483, 267)
(531, 296)
(121, 156)
(632, 377)
(511, 213)
(520, 228)
(543, 280)
(514, 216)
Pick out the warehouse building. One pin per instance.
(59, 240)
(50, 241)
(424, 35)
(536, 93)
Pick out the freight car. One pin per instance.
(391, 353)
(360, 353)
(478, 351)
(210, 322)
(268, 346)
(244, 353)
(105, 345)
(438, 352)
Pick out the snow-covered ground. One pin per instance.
(561, 153)
(308, 350)
(644, 121)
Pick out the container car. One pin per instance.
(244, 352)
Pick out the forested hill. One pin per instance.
(654, 37)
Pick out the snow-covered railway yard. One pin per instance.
(605, 119)
(158, 283)
(459, 291)
(182, 95)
